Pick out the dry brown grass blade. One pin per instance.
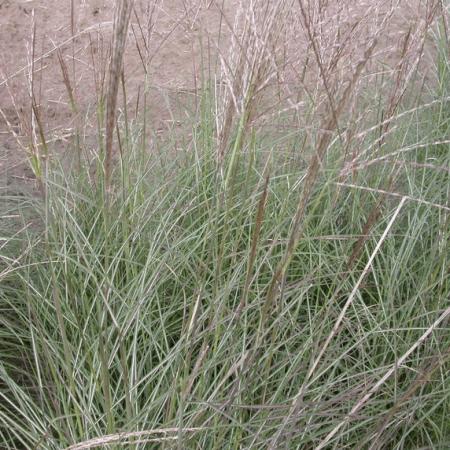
(254, 246)
(66, 79)
(395, 195)
(36, 127)
(143, 436)
(120, 31)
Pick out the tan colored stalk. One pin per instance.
(120, 30)
(102, 441)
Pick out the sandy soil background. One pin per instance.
(177, 36)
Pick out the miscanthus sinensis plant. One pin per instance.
(282, 281)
